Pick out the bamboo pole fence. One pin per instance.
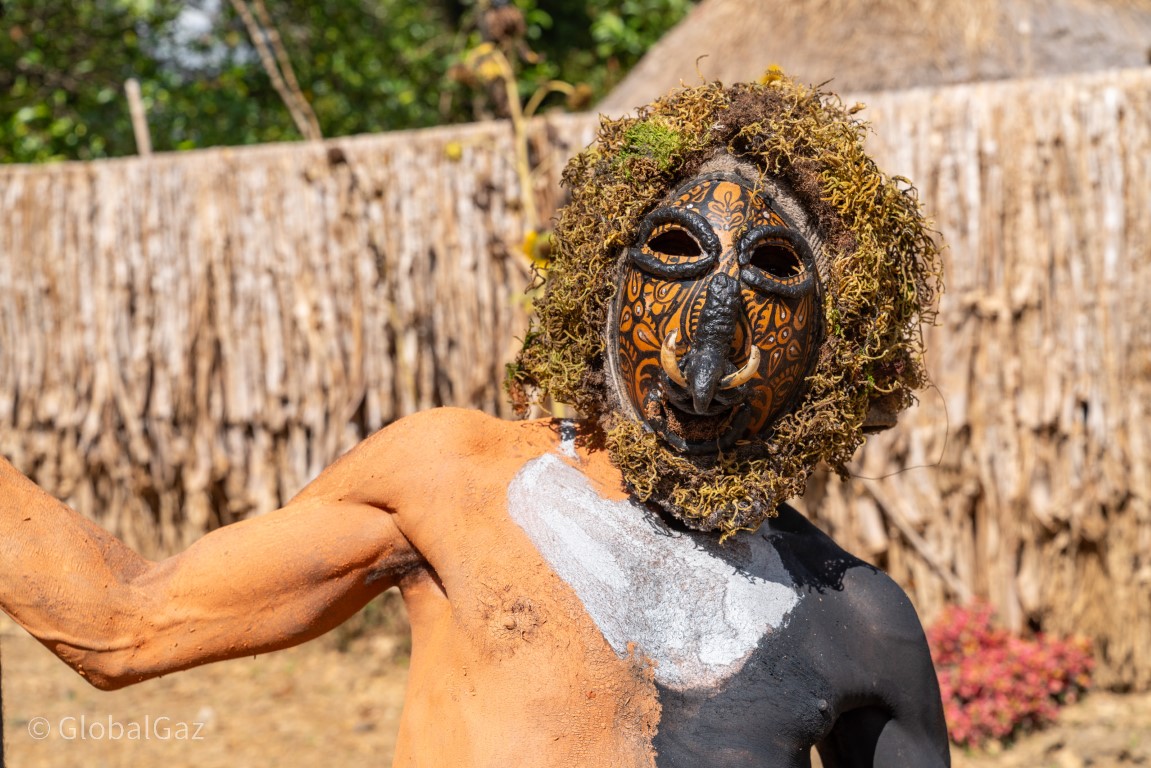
(187, 339)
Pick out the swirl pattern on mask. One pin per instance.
(650, 307)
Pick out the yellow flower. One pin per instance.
(773, 74)
(536, 246)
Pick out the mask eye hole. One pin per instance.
(674, 242)
(777, 259)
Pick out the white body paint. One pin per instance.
(697, 614)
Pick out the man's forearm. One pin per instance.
(65, 579)
(254, 586)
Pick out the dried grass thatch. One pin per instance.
(1041, 498)
(869, 45)
(188, 339)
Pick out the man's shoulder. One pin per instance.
(449, 419)
(819, 564)
(450, 431)
(403, 461)
(816, 562)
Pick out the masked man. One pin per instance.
(735, 296)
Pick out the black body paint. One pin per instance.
(849, 672)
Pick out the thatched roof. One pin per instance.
(889, 44)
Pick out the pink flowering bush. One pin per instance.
(997, 685)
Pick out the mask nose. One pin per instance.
(706, 363)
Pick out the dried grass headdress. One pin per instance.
(880, 269)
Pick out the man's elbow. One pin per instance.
(108, 670)
(107, 680)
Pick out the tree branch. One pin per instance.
(293, 99)
(286, 67)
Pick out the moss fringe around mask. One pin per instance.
(879, 276)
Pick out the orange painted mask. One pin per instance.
(717, 320)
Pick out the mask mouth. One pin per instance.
(715, 430)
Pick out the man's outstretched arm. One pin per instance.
(258, 585)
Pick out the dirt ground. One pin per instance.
(307, 706)
(319, 705)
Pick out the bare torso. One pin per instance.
(556, 622)
(505, 660)
(553, 616)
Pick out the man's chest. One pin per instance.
(696, 610)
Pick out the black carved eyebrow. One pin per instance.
(691, 221)
(765, 280)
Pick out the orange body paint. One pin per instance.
(505, 662)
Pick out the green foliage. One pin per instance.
(372, 66)
(365, 66)
(62, 71)
(595, 42)
(624, 31)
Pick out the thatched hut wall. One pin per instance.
(188, 339)
(1034, 481)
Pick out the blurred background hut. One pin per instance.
(862, 45)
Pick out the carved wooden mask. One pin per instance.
(717, 315)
